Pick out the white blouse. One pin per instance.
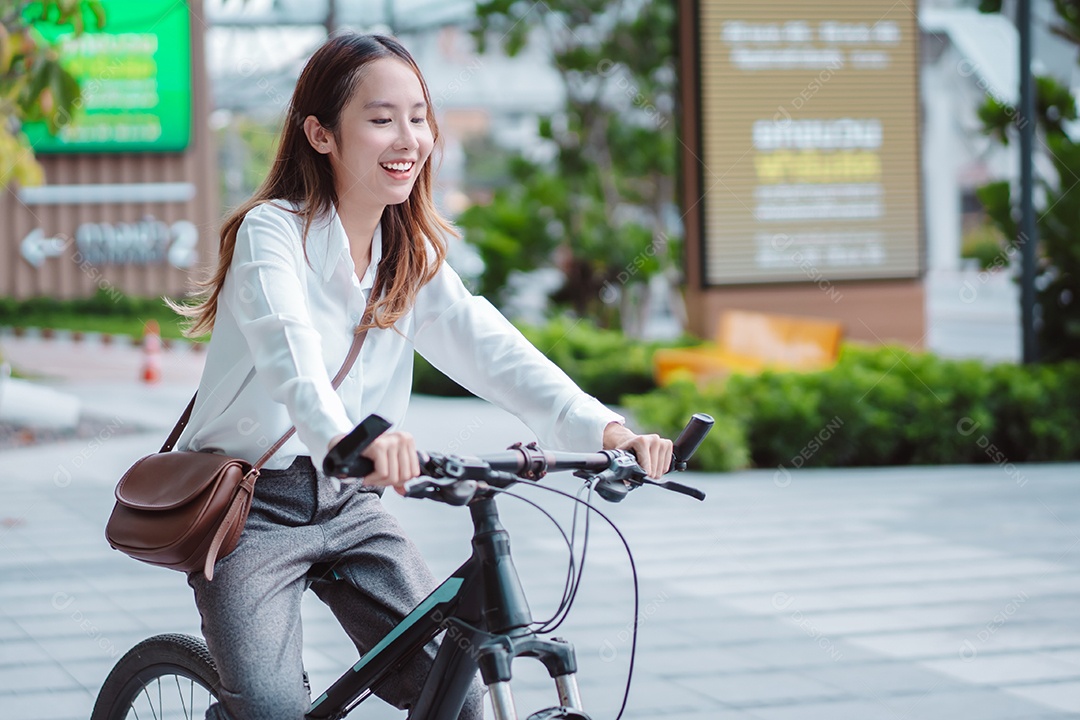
(292, 320)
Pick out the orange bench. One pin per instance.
(752, 342)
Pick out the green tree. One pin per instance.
(599, 209)
(33, 84)
(1057, 274)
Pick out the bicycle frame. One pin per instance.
(483, 609)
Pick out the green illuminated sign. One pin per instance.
(135, 76)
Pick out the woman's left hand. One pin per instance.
(652, 451)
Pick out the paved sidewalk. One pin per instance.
(910, 593)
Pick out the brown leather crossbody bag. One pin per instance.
(184, 510)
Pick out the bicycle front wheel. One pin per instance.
(163, 677)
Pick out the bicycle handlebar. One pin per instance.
(454, 479)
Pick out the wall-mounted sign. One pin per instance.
(135, 76)
(809, 141)
(147, 242)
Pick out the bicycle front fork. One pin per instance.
(556, 654)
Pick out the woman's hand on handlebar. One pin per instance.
(652, 451)
(395, 458)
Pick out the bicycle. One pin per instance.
(481, 606)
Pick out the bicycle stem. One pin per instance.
(506, 607)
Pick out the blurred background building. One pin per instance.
(909, 282)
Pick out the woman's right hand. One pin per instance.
(395, 459)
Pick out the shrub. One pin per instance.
(667, 412)
(1034, 412)
(604, 363)
(108, 311)
(429, 380)
(883, 406)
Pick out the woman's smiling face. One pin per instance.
(383, 138)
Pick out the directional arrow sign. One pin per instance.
(36, 247)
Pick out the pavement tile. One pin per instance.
(735, 631)
(181, 620)
(1063, 696)
(39, 589)
(21, 652)
(152, 600)
(318, 662)
(647, 692)
(874, 681)
(713, 714)
(944, 644)
(805, 651)
(763, 688)
(104, 650)
(28, 608)
(87, 673)
(732, 584)
(873, 557)
(52, 705)
(906, 619)
(134, 576)
(1069, 657)
(648, 697)
(698, 659)
(1005, 669)
(950, 705)
(914, 595)
(839, 710)
(9, 630)
(828, 542)
(76, 624)
(30, 678)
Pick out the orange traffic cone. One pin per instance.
(151, 369)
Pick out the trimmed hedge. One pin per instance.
(106, 311)
(879, 406)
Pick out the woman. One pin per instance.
(345, 219)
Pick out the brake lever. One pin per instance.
(611, 488)
(676, 487)
(450, 491)
(615, 483)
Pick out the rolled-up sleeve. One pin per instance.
(465, 337)
(264, 292)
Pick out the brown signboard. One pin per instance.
(808, 155)
(132, 222)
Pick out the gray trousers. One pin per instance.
(251, 610)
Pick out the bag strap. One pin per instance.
(350, 360)
(354, 352)
(179, 427)
(237, 511)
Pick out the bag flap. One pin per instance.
(163, 481)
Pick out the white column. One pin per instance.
(941, 146)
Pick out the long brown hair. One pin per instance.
(304, 177)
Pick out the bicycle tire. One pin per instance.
(172, 668)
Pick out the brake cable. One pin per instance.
(564, 609)
(569, 546)
(633, 572)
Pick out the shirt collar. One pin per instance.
(328, 247)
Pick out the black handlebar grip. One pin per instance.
(691, 436)
(357, 467)
(344, 459)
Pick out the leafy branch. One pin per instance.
(34, 86)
